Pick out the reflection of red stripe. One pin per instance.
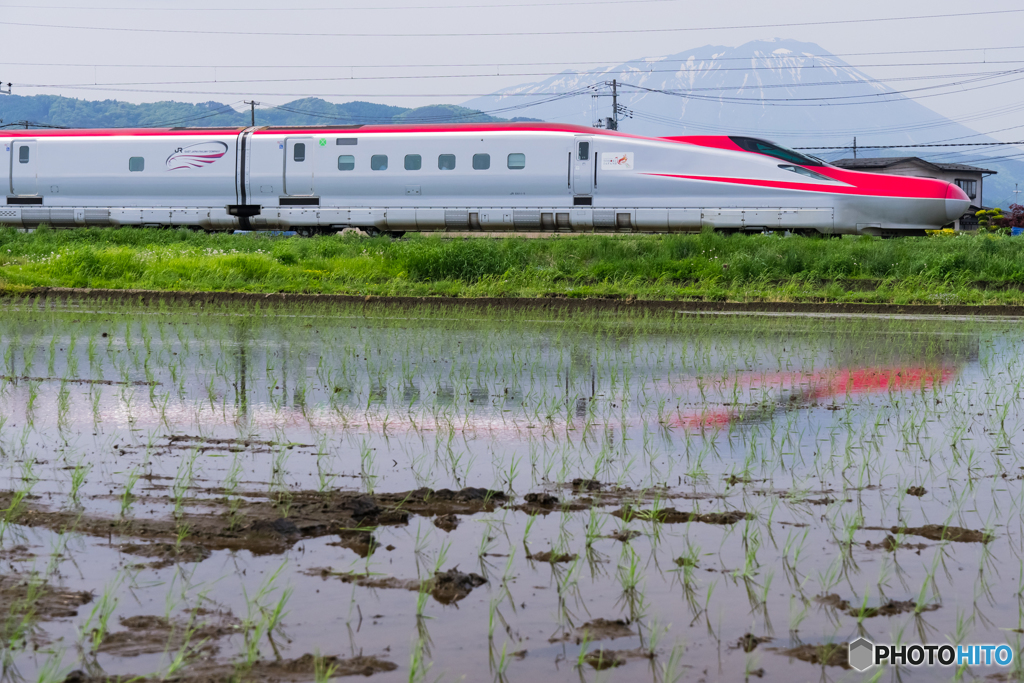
(821, 385)
(878, 186)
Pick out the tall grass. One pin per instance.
(702, 266)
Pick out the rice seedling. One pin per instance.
(127, 497)
(94, 630)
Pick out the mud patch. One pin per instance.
(889, 544)
(16, 553)
(153, 635)
(428, 502)
(835, 654)
(281, 671)
(749, 642)
(916, 491)
(598, 629)
(541, 499)
(673, 516)
(550, 556)
(891, 608)
(167, 554)
(624, 535)
(445, 587)
(937, 532)
(447, 522)
(360, 542)
(105, 382)
(826, 500)
(27, 594)
(247, 443)
(268, 525)
(609, 659)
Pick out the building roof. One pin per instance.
(886, 162)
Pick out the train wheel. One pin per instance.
(396, 235)
(305, 232)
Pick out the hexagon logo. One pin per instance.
(861, 654)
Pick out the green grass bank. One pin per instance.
(966, 269)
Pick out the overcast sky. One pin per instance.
(392, 51)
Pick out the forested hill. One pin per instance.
(53, 110)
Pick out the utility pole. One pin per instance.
(854, 147)
(615, 105)
(1016, 193)
(610, 122)
(252, 108)
(5, 92)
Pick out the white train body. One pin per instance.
(479, 177)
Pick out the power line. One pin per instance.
(386, 8)
(333, 79)
(757, 101)
(643, 60)
(828, 101)
(476, 34)
(688, 124)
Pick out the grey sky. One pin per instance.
(151, 66)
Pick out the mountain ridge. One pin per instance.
(54, 110)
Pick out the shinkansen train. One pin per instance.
(470, 177)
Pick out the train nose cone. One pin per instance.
(957, 202)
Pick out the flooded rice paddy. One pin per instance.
(413, 494)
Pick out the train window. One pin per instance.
(300, 151)
(23, 153)
(584, 151)
(379, 162)
(481, 162)
(136, 164)
(805, 172)
(346, 162)
(348, 141)
(777, 151)
(516, 161)
(413, 162)
(446, 162)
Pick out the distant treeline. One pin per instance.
(53, 110)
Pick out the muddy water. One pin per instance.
(286, 495)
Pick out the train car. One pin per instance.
(470, 177)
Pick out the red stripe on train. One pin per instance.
(859, 184)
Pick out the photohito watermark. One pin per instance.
(865, 654)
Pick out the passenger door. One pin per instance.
(299, 154)
(583, 167)
(24, 167)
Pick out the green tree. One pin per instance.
(991, 220)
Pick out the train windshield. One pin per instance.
(777, 151)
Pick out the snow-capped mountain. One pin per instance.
(795, 93)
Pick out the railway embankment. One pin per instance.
(968, 274)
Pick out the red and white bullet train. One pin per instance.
(487, 177)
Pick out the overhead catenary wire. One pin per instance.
(418, 77)
(757, 101)
(366, 8)
(643, 60)
(830, 101)
(306, 35)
